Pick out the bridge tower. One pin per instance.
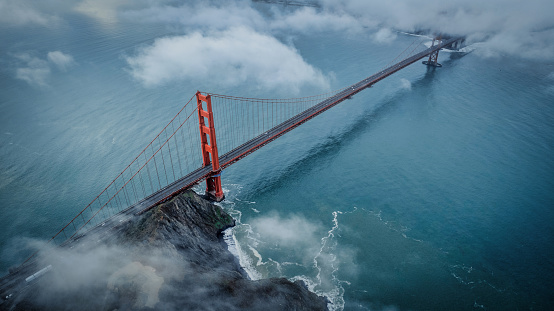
(433, 57)
(209, 146)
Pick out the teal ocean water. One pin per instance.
(432, 190)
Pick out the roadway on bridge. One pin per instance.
(111, 225)
(254, 144)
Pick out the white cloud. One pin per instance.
(513, 27)
(20, 12)
(61, 60)
(384, 35)
(33, 76)
(293, 231)
(230, 57)
(35, 71)
(220, 16)
(522, 28)
(405, 84)
(537, 45)
(105, 11)
(309, 20)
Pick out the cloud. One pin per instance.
(536, 45)
(222, 15)
(17, 13)
(36, 71)
(509, 27)
(310, 20)
(205, 15)
(61, 60)
(105, 11)
(100, 275)
(230, 57)
(27, 12)
(523, 29)
(405, 84)
(292, 231)
(384, 35)
(312, 246)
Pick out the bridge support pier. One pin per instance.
(214, 191)
(433, 57)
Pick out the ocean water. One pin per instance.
(432, 190)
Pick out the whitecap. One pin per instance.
(257, 255)
(244, 260)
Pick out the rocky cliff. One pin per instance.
(171, 257)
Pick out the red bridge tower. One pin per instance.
(433, 57)
(213, 183)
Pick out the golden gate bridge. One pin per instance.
(187, 150)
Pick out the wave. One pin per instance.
(415, 35)
(245, 262)
(328, 247)
(393, 225)
(229, 235)
(320, 276)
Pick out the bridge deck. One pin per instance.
(254, 144)
(111, 225)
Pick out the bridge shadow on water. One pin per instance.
(328, 149)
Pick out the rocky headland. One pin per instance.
(172, 257)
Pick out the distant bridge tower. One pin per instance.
(433, 57)
(213, 183)
(458, 44)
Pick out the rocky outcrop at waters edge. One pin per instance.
(170, 258)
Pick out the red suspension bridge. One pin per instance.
(176, 160)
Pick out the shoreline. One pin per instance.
(173, 256)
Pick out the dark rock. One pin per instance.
(172, 257)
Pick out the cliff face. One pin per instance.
(170, 258)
